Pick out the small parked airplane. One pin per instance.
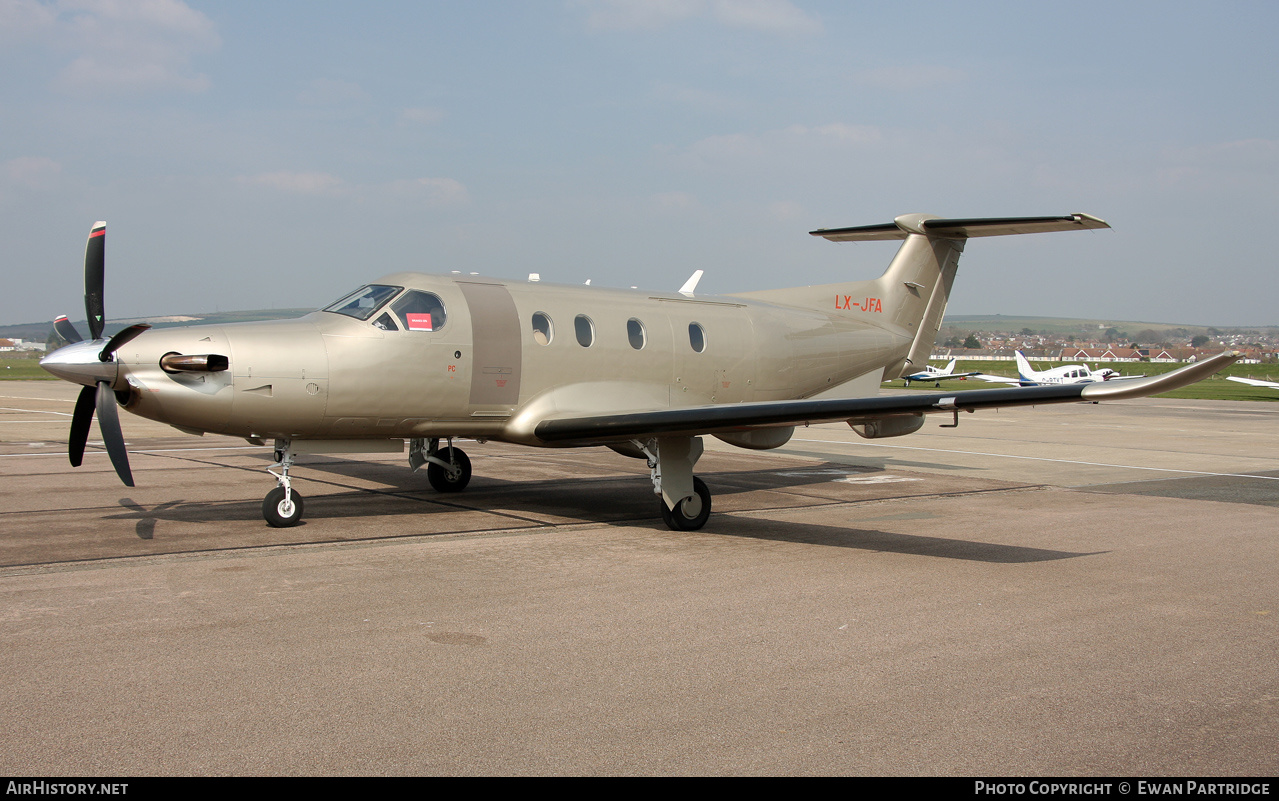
(937, 374)
(430, 359)
(1028, 376)
(1255, 382)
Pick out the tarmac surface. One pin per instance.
(1088, 589)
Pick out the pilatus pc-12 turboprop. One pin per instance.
(430, 359)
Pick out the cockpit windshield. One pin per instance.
(364, 302)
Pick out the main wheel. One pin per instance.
(280, 513)
(691, 513)
(445, 480)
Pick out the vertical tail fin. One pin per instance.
(1024, 371)
(916, 286)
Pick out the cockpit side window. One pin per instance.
(419, 311)
(364, 302)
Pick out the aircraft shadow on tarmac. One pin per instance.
(336, 489)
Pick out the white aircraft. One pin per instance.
(937, 374)
(1028, 376)
(1255, 382)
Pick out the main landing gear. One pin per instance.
(448, 469)
(683, 499)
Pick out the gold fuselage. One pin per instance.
(487, 373)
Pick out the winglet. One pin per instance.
(1155, 384)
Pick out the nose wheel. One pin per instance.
(282, 507)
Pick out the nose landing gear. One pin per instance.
(282, 507)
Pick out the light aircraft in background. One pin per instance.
(430, 359)
(1028, 376)
(1254, 382)
(937, 374)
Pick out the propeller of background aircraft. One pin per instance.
(92, 363)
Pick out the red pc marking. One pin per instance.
(98, 232)
(419, 322)
(501, 382)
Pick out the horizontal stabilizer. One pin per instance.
(960, 228)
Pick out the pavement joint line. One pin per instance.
(536, 526)
(1038, 459)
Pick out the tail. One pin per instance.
(950, 367)
(1025, 372)
(916, 286)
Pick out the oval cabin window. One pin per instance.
(696, 337)
(636, 334)
(543, 332)
(585, 330)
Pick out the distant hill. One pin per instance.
(1067, 325)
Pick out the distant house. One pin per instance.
(1104, 354)
(8, 344)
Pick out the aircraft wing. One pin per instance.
(724, 418)
(998, 379)
(1254, 382)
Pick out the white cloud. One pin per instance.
(910, 78)
(438, 192)
(1221, 165)
(328, 92)
(300, 183)
(116, 45)
(435, 192)
(774, 16)
(777, 16)
(424, 115)
(742, 151)
(24, 19)
(31, 172)
(674, 201)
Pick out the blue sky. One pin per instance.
(278, 154)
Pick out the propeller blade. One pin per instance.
(80, 422)
(94, 269)
(121, 338)
(66, 330)
(112, 437)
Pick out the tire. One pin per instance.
(678, 519)
(441, 479)
(277, 513)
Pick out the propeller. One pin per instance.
(92, 363)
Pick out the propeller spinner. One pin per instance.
(92, 363)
